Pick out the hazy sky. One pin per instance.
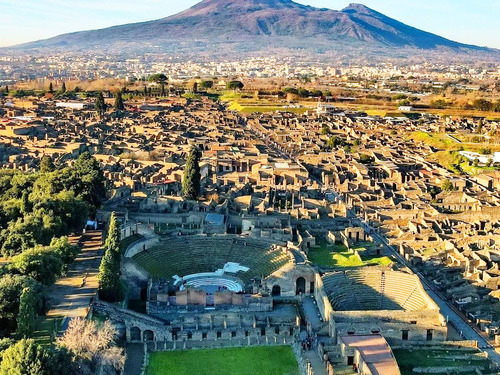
(467, 21)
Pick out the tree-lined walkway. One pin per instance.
(71, 294)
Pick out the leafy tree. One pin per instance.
(192, 175)
(64, 250)
(325, 130)
(40, 263)
(447, 186)
(100, 104)
(25, 358)
(5, 343)
(27, 313)
(234, 85)
(26, 205)
(316, 93)
(205, 85)
(335, 141)
(366, 159)
(86, 180)
(110, 287)
(290, 90)
(119, 106)
(46, 164)
(158, 78)
(304, 93)
(482, 105)
(11, 288)
(22, 234)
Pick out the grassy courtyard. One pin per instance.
(447, 358)
(328, 255)
(235, 361)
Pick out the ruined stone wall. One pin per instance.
(324, 305)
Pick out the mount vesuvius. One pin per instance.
(257, 25)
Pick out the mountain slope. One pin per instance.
(262, 22)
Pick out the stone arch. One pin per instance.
(135, 334)
(149, 335)
(276, 291)
(300, 286)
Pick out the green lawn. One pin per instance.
(235, 361)
(328, 255)
(409, 359)
(325, 254)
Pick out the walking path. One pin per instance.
(134, 359)
(311, 312)
(316, 363)
(70, 296)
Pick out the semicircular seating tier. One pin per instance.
(198, 254)
(375, 289)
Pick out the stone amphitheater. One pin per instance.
(207, 291)
(377, 300)
(182, 256)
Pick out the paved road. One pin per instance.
(316, 363)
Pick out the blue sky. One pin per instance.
(467, 21)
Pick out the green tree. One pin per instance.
(110, 287)
(192, 175)
(100, 104)
(159, 78)
(119, 106)
(25, 358)
(40, 263)
(11, 288)
(63, 87)
(51, 88)
(234, 85)
(86, 180)
(304, 93)
(26, 205)
(205, 85)
(482, 105)
(366, 159)
(325, 130)
(46, 164)
(6, 89)
(447, 186)
(27, 313)
(290, 90)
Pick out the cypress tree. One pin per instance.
(119, 106)
(51, 88)
(6, 89)
(100, 104)
(192, 175)
(110, 288)
(63, 87)
(26, 316)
